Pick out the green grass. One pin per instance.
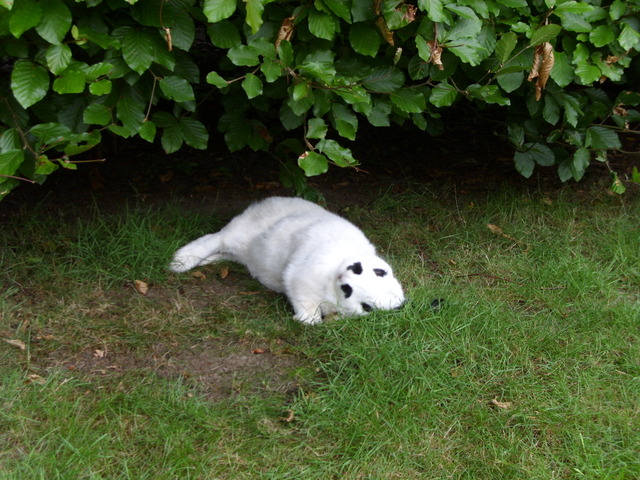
(530, 371)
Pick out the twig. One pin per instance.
(19, 178)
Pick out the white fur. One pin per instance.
(297, 248)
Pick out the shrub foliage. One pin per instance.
(297, 77)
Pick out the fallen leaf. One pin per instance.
(290, 416)
(164, 178)
(141, 287)
(46, 337)
(258, 351)
(33, 378)
(496, 403)
(17, 343)
(498, 231)
(199, 275)
(495, 228)
(224, 272)
(266, 185)
(97, 353)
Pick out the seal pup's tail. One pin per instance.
(201, 251)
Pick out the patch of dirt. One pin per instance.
(215, 368)
(221, 370)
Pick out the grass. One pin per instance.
(529, 371)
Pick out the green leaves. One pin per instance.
(179, 131)
(58, 58)
(602, 138)
(535, 153)
(327, 65)
(214, 79)
(252, 85)
(29, 83)
(602, 35)
(365, 39)
(254, 13)
(56, 21)
(408, 100)
(243, 56)
(321, 24)
(313, 163)
(177, 88)
(26, 14)
(341, 156)
(384, 80)
(9, 162)
(443, 95)
(505, 46)
(216, 10)
(97, 114)
(544, 34)
(137, 49)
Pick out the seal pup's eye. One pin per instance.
(355, 268)
(379, 272)
(366, 307)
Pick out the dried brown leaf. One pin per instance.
(17, 343)
(496, 403)
(620, 110)
(436, 54)
(611, 59)
(409, 12)
(34, 378)
(141, 287)
(290, 416)
(264, 133)
(376, 6)
(535, 66)
(498, 231)
(46, 337)
(286, 30)
(167, 37)
(224, 272)
(199, 275)
(543, 61)
(164, 178)
(548, 59)
(495, 229)
(266, 185)
(98, 353)
(386, 33)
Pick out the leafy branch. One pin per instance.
(305, 75)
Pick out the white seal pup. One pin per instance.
(323, 263)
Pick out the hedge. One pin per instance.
(297, 77)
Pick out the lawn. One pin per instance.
(529, 368)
